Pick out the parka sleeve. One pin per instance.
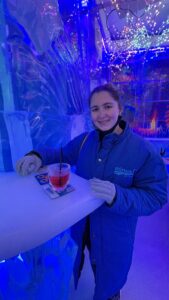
(70, 152)
(148, 192)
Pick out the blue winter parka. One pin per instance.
(140, 178)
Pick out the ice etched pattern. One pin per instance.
(46, 85)
(46, 82)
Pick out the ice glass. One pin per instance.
(59, 174)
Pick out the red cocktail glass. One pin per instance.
(59, 176)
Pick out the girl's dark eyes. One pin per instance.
(106, 107)
(94, 109)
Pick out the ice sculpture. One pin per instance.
(13, 125)
(41, 20)
(42, 273)
(46, 81)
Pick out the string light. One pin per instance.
(135, 30)
(84, 3)
(137, 33)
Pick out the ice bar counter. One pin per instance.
(29, 217)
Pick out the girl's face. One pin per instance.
(104, 110)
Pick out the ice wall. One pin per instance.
(42, 78)
(41, 96)
(13, 125)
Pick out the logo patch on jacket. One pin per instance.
(123, 172)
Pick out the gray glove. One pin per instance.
(28, 164)
(103, 189)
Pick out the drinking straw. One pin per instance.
(60, 165)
